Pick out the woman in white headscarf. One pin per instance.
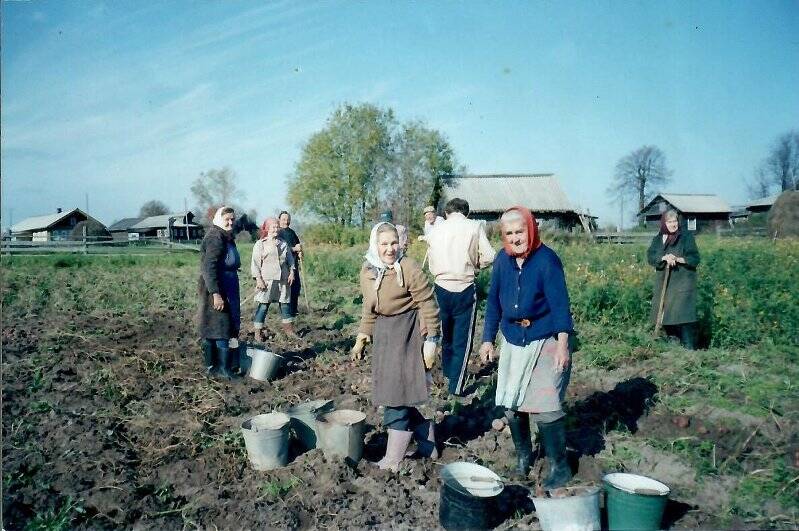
(218, 291)
(400, 319)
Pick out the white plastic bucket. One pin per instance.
(264, 364)
(267, 440)
(577, 511)
(341, 434)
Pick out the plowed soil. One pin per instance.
(111, 423)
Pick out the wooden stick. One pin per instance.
(659, 321)
(304, 283)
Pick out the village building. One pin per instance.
(51, 227)
(179, 226)
(698, 211)
(762, 205)
(490, 195)
(119, 230)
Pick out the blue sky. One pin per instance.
(130, 101)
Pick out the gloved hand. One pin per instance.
(360, 343)
(429, 350)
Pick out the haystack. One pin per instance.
(783, 218)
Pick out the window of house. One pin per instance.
(691, 223)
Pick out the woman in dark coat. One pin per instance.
(674, 251)
(218, 291)
(529, 302)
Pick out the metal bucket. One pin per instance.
(469, 496)
(576, 511)
(341, 434)
(264, 364)
(267, 440)
(634, 502)
(303, 421)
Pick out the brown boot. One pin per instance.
(288, 329)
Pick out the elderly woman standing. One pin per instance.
(674, 256)
(397, 298)
(529, 302)
(218, 291)
(272, 267)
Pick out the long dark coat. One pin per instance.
(219, 264)
(680, 299)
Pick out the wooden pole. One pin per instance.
(304, 284)
(659, 321)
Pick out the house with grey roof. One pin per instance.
(51, 227)
(698, 211)
(119, 229)
(490, 195)
(179, 226)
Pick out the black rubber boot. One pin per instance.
(208, 349)
(520, 431)
(553, 435)
(688, 336)
(224, 363)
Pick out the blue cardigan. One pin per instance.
(537, 292)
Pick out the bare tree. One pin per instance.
(214, 188)
(153, 207)
(638, 173)
(760, 185)
(782, 164)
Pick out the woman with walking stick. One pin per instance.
(674, 256)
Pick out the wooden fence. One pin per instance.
(142, 246)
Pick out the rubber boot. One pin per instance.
(207, 347)
(398, 441)
(288, 329)
(520, 431)
(553, 435)
(224, 362)
(425, 437)
(688, 336)
(234, 358)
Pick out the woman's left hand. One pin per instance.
(291, 278)
(562, 357)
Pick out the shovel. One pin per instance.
(659, 321)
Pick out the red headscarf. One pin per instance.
(533, 240)
(268, 222)
(671, 237)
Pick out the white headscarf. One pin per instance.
(373, 258)
(218, 221)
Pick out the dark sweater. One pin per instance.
(537, 292)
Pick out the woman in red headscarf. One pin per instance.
(272, 268)
(529, 302)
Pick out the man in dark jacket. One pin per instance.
(288, 235)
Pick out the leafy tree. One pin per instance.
(425, 160)
(363, 158)
(638, 173)
(343, 167)
(216, 187)
(153, 208)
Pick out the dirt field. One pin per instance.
(108, 422)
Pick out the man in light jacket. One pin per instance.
(458, 248)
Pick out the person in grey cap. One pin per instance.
(431, 219)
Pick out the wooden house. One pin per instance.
(51, 227)
(490, 195)
(179, 226)
(698, 211)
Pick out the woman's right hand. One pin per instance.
(360, 343)
(259, 285)
(219, 302)
(487, 352)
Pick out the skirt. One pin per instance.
(398, 375)
(527, 380)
